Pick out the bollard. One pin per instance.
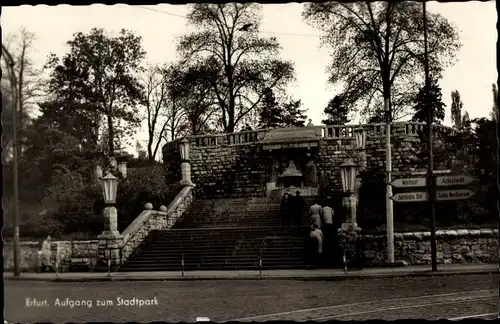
(182, 264)
(109, 263)
(260, 265)
(345, 262)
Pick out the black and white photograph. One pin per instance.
(250, 162)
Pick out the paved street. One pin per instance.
(259, 300)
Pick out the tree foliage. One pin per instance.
(377, 50)
(240, 63)
(336, 112)
(432, 100)
(97, 80)
(275, 114)
(456, 109)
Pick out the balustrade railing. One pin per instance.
(331, 131)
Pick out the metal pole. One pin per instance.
(430, 166)
(260, 265)
(388, 170)
(17, 250)
(182, 263)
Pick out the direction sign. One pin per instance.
(409, 182)
(454, 194)
(410, 196)
(453, 180)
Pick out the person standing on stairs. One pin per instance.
(315, 214)
(285, 210)
(328, 230)
(316, 246)
(297, 207)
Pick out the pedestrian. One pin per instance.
(329, 232)
(298, 207)
(46, 254)
(315, 214)
(285, 210)
(316, 245)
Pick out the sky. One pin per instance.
(159, 26)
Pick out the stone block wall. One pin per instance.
(236, 170)
(453, 246)
(62, 252)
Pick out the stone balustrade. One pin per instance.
(150, 220)
(330, 131)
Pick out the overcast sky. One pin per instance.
(160, 25)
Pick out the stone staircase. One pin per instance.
(226, 234)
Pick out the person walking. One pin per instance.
(46, 254)
(297, 208)
(329, 230)
(316, 245)
(315, 214)
(285, 210)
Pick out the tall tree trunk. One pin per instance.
(111, 135)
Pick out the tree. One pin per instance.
(20, 82)
(191, 97)
(429, 100)
(494, 110)
(270, 114)
(378, 50)
(456, 109)
(98, 78)
(241, 63)
(274, 114)
(155, 99)
(336, 112)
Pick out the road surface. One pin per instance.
(452, 297)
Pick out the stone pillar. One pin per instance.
(272, 169)
(186, 173)
(185, 165)
(350, 203)
(110, 240)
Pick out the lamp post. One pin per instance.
(348, 172)
(185, 165)
(360, 137)
(110, 240)
(388, 170)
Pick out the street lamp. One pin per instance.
(360, 137)
(109, 185)
(348, 172)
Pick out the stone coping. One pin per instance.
(439, 234)
(400, 235)
(37, 243)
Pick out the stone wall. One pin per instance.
(453, 246)
(172, 162)
(233, 165)
(228, 171)
(63, 252)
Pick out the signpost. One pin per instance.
(409, 183)
(454, 194)
(410, 196)
(458, 180)
(432, 195)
